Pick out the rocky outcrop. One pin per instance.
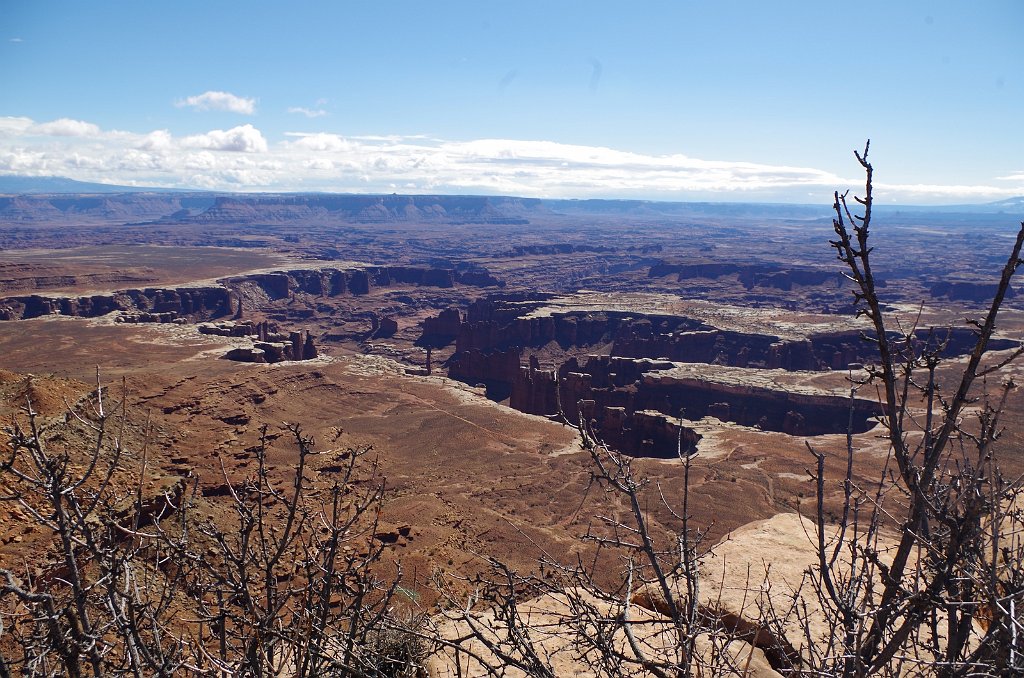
(477, 277)
(535, 390)
(498, 324)
(309, 351)
(551, 623)
(636, 371)
(752, 275)
(164, 317)
(275, 348)
(388, 327)
(247, 354)
(640, 433)
(557, 248)
(442, 329)
(642, 384)
(202, 303)
(334, 282)
(968, 291)
(495, 369)
(276, 285)
(624, 397)
(382, 327)
(234, 329)
(430, 277)
(722, 347)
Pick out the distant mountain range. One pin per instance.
(25, 200)
(18, 185)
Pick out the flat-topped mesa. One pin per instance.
(632, 385)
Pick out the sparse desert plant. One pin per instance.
(290, 585)
(104, 604)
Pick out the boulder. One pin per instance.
(551, 623)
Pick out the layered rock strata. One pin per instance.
(201, 302)
(618, 388)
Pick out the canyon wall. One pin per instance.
(207, 302)
(652, 385)
(197, 302)
(633, 379)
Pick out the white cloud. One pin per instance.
(65, 127)
(15, 40)
(219, 101)
(308, 112)
(204, 160)
(21, 161)
(241, 139)
(241, 158)
(157, 140)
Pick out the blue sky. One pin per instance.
(664, 100)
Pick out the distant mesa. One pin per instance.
(365, 209)
(53, 199)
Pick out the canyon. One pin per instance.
(464, 340)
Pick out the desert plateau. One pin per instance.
(511, 340)
(465, 343)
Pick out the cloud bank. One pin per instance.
(219, 101)
(243, 159)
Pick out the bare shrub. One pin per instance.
(947, 600)
(289, 585)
